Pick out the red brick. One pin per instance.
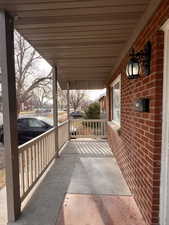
(138, 147)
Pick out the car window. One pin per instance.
(22, 123)
(35, 123)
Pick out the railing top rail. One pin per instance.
(63, 123)
(36, 139)
(90, 120)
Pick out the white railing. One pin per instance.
(63, 134)
(34, 158)
(37, 154)
(88, 128)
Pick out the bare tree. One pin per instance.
(62, 98)
(77, 98)
(27, 76)
(44, 94)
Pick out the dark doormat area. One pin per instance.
(85, 209)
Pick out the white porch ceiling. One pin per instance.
(85, 38)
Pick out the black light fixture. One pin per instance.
(139, 62)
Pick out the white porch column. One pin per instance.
(55, 107)
(164, 182)
(7, 64)
(68, 108)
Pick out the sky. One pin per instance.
(95, 94)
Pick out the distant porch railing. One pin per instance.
(88, 128)
(36, 155)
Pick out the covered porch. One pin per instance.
(52, 175)
(85, 180)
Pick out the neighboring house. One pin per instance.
(102, 102)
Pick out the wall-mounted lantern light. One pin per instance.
(139, 61)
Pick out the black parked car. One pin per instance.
(76, 114)
(28, 128)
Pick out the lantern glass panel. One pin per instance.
(133, 68)
(135, 71)
(129, 69)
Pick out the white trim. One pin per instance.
(165, 26)
(117, 80)
(164, 185)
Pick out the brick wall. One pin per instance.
(137, 145)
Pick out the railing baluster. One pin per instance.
(41, 166)
(87, 129)
(75, 123)
(40, 147)
(46, 149)
(37, 159)
(47, 152)
(21, 174)
(35, 151)
(27, 166)
(49, 149)
(31, 166)
(103, 129)
(33, 161)
(94, 128)
(43, 144)
(53, 144)
(76, 129)
(23, 171)
(79, 127)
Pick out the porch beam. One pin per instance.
(68, 108)
(7, 63)
(55, 106)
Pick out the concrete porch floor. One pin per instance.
(85, 167)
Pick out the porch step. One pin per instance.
(80, 209)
